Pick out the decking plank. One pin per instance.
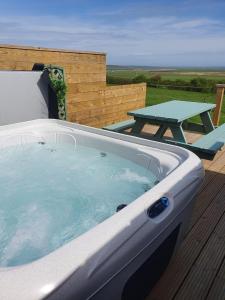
(180, 266)
(209, 163)
(199, 280)
(217, 289)
(215, 167)
(206, 196)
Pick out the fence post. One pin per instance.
(219, 102)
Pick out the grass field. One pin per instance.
(172, 75)
(160, 95)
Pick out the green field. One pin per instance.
(171, 75)
(159, 95)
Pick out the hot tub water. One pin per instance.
(51, 194)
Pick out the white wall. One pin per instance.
(23, 96)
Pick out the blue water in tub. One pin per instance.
(51, 194)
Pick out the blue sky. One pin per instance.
(155, 33)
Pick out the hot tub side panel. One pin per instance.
(135, 267)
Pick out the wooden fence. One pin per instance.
(89, 100)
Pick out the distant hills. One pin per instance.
(147, 68)
(164, 69)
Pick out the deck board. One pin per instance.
(198, 282)
(217, 290)
(208, 195)
(197, 271)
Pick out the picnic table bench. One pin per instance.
(118, 127)
(175, 115)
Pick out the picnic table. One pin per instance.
(173, 115)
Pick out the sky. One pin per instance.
(151, 33)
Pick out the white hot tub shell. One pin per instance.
(122, 257)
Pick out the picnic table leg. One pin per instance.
(178, 133)
(161, 131)
(207, 122)
(138, 126)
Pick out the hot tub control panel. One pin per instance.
(158, 207)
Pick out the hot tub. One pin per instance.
(89, 214)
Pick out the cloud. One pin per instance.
(142, 40)
(195, 23)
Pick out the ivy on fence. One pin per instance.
(56, 76)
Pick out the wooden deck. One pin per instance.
(197, 271)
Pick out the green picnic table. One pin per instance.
(173, 115)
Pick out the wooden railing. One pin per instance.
(219, 102)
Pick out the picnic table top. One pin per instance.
(172, 111)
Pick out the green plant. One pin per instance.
(156, 78)
(56, 76)
(59, 87)
(139, 79)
